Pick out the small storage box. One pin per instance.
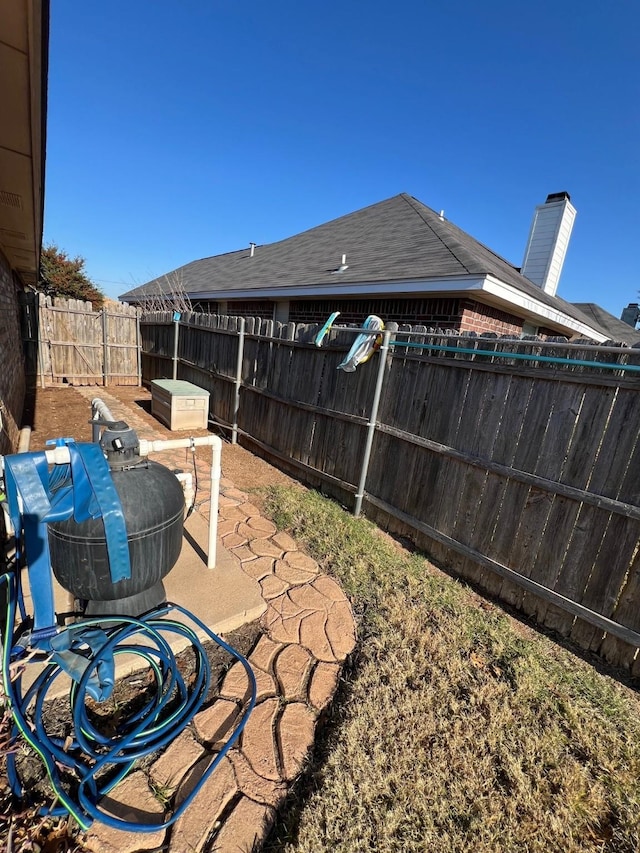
(179, 404)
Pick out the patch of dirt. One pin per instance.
(59, 412)
(63, 412)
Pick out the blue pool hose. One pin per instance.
(150, 729)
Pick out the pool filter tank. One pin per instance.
(153, 507)
(109, 523)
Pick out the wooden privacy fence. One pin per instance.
(67, 342)
(514, 462)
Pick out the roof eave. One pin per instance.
(23, 91)
(506, 293)
(495, 291)
(454, 284)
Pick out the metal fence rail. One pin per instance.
(515, 462)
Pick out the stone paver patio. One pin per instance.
(307, 631)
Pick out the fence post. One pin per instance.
(238, 382)
(39, 334)
(176, 333)
(371, 425)
(138, 348)
(105, 348)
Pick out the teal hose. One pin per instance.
(549, 359)
(89, 755)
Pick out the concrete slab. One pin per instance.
(223, 598)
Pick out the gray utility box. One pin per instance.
(179, 404)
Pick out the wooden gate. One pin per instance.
(79, 346)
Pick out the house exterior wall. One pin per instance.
(208, 307)
(12, 378)
(459, 314)
(445, 312)
(251, 308)
(477, 317)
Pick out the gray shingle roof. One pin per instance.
(610, 325)
(399, 239)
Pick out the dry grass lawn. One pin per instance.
(458, 729)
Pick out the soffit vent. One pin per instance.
(10, 199)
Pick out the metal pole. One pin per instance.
(238, 382)
(176, 332)
(371, 425)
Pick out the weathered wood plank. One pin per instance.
(506, 464)
(627, 634)
(517, 528)
(618, 591)
(541, 561)
(572, 575)
(490, 401)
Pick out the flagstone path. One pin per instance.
(307, 631)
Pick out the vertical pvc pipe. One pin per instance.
(24, 438)
(176, 332)
(371, 425)
(238, 382)
(99, 411)
(61, 454)
(216, 472)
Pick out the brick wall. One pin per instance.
(12, 380)
(464, 315)
(443, 313)
(252, 308)
(479, 318)
(246, 308)
(205, 307)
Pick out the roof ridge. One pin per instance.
(488, 249)
(336, 219)
(409, 200)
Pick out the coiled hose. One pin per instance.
(89, 753)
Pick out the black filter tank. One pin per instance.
(153, 506)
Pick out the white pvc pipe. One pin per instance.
(147, 447)
(60, 456)
(24, 439)
(99, 412)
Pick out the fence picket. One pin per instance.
(566, 423)
(79, 346)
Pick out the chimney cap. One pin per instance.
(557, 197)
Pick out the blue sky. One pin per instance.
(179, 130)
